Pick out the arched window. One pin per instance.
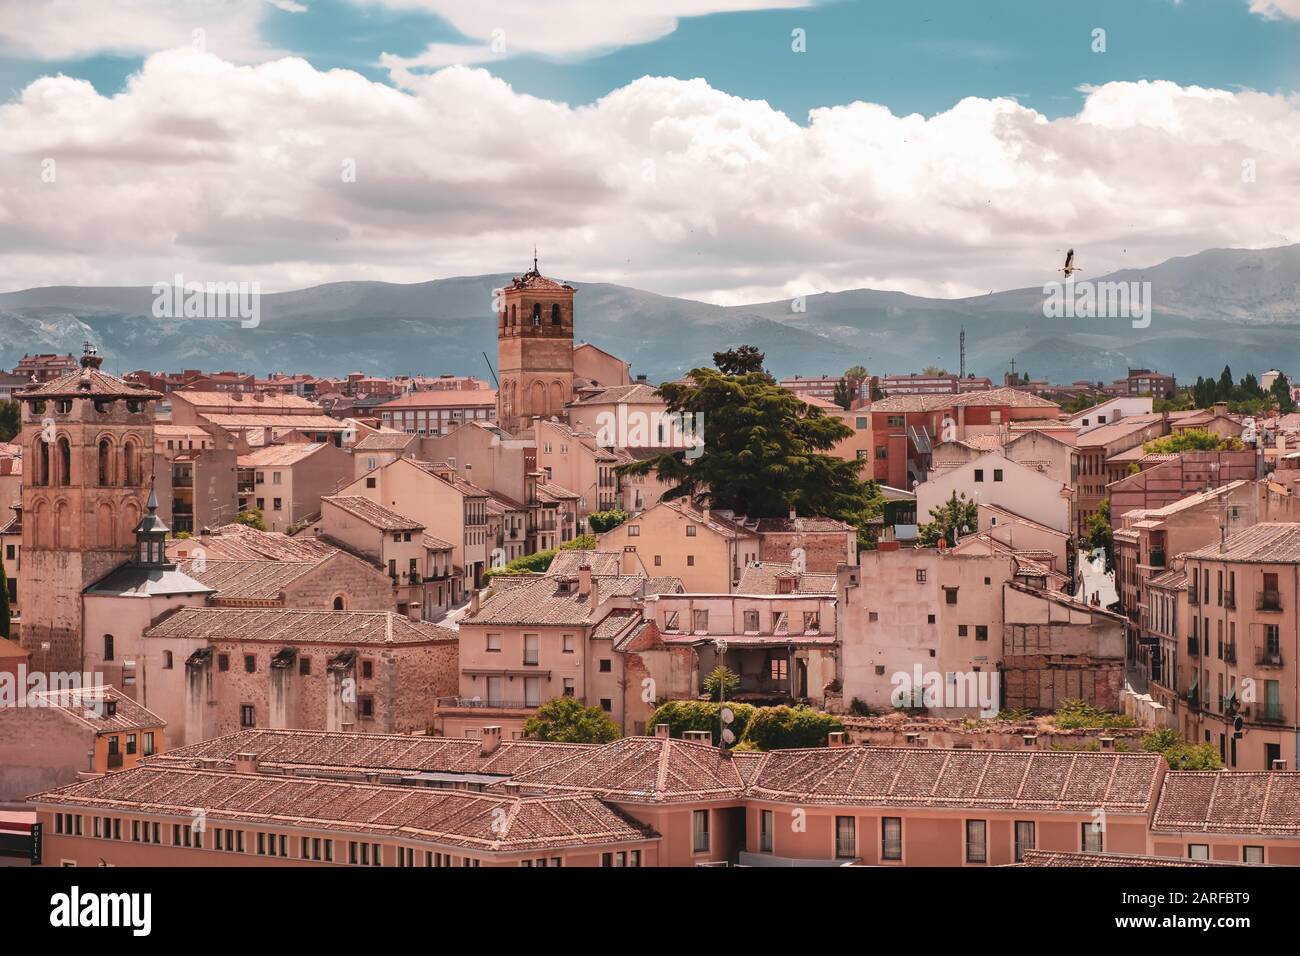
(42, 461)
(65, 462)
(108, 647)
(338, 603)
(537, 313)
(514, 315)
(131, 462)
(555, 314)
(105, 462)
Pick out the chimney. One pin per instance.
(1107, 743)
(584, 580)
(473, 602)
(793, 513)
(698, 737)
(835, 739)
(661, 730)
(491, 741)
(911, 738)
(1279, 765)
(415, 611)
(245, 762)
(1031, 740)
(628, 565)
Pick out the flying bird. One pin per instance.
(1069, 268)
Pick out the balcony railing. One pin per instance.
(1268, 601)
(1230, 653)
(1268, 657)
(483, 702)
(1194, 647)
(1270, 715)
(1229, 600)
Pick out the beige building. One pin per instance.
(707, 550)
(287, 482)
(994, 479)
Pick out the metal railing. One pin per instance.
(1268, 601)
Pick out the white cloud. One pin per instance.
(66, 29)
(1275, 9)
(238, 172)
(558, 28)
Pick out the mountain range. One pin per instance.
(1222, 306)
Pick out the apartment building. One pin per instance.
(995, 479)
(708, 550)
(287, 482)
(437, 411)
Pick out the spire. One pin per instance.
(534, 257)
(152, 503)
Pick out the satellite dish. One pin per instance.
(727, 715)
(728, 737)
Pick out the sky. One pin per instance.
(725, 150)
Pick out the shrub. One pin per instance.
(602, 521)
(781, 728)
(253, 518)
(1074, 714)
(1180, 754)
(566, 720)
(859, 708)
(684, 715)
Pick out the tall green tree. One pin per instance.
(1099, 533)
(1281, 393)
(11, 421)
(566, 720)
(950, 521)
(1224, 390)
(843, 394)
(763, 449)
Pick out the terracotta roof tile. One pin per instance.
(373, 513)
(297, 626)
(1230, 802)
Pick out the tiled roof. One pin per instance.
(760, 577)
(1061, 858)
(271, 456)
(1271, 543)
(1077, 782)
(88, 707)
(1230, 802)
(437, 544)
(614, 623)
(548, 491)
(484, 822)
(641, 770)
(549, 600)
(311, 423)
(405, 754)
(532, 279)
(88, 383)
(247, 580)
(602, 563)
(717, 522)
(996, 397)
(1105, 434)
(1175, 579)
(297, 626)
(237, 542)
(637, 393)
(373, 513)
(242, 402)
(385, 441)
(798, 525)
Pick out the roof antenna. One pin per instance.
(534, 257)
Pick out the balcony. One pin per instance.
(1230, 653)
(1268, 601)
(1270, 715)
(1193, 598)
(1156, 558)
(1230, 601)
(1193, 647)
(1193, 699)
(1268, 657)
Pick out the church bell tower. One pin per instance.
(534, 350)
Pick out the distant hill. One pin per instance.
(1233, 306)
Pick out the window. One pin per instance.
(304, 666)
(997, 474)
(1198, 851)
(533, 691)
(130, 743)
(569, 687)
(250, 663)
(981, 632)
(108, 647)
(950, 595)
(1252, 854)
(1091, 842)
(370, 482)
(567, 644)
(962, 630)
(606, 665)
(751, 622)
(223, 662)
(530, 649)
(167, 660)
(367, 706)
(894, 421)
(670, 620)
(1025, 838)
(846, 838)
(977, 841)
(367, 669)
(700, 621)
(979, 474)
(148, 743)
(633, 531)
(920, 575)
(765, 827)
(812, 622)
(891, 838)
(700, 831)
(690, 560)
(247, 716)
(494, 643)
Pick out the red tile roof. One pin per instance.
(373, 513)
(297, 626)
(1230, 802)
(88, 383)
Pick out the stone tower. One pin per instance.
(88, 463)
(534, 350)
